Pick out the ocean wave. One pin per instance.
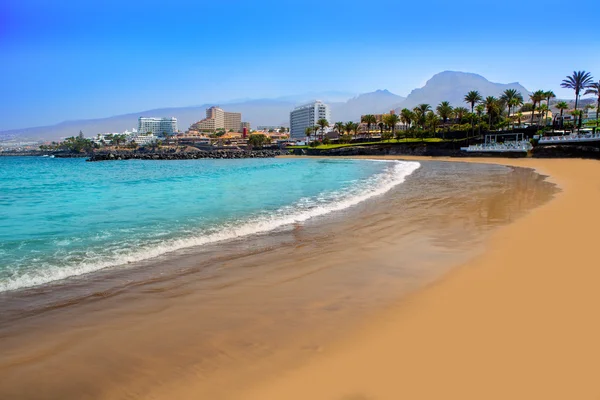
(301, 211)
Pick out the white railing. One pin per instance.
(513, 146)
(589, 137)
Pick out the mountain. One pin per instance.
(257, 112)
(452, 86)
(449, 85)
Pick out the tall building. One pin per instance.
(157, 125)
(216, 119)
(306, 116)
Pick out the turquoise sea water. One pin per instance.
(66, 217)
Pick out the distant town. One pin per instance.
(512, 122)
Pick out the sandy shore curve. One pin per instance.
(518, 322)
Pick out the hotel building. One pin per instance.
(217, 119)
(306, 116)
(157, 125)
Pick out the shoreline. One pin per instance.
(516, 322)
(265, 307)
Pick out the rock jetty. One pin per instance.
(196, 155)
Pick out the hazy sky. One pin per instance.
(80, 59)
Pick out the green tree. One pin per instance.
(323, 123)
(432, 121)
(258, 140)
(511, 98)
(459, 113)
(349, 127)
(381, 126)
(548, 95)
(594, 88)
(536, 98)
(542, 109)
(491, 107)
(421, 112)
(368, 119)
(407, 117)
(391, 120)
(339, 127)
(473, 97)
(578, 81)
(308, 132)
(479, 109)
(519, 117)
(444, 110)
(562, 106)
(355, 127)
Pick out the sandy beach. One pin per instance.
(441, 289)
(518, 322)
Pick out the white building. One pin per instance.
(306, 116)
(157, 125)
(142, 140)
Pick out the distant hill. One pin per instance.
(378, 102)
(257, 112)
(446, 86)
(452, 86)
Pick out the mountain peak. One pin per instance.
(453, 85)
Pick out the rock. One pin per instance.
(187, 155)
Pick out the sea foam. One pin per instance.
(303, 210)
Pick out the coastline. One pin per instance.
(220, 324)
(516, 322)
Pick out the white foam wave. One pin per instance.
(303, 210)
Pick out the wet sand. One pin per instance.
(518, 322)
(217, 323)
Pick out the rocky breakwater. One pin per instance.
(187, 155)
(446, 149)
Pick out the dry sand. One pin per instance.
(519, 322)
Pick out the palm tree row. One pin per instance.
(423, 116)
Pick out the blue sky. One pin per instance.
(64, 60)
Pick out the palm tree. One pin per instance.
(308, 132)
(491, 106)
(406, 116)
(536, 98)
(519, 117)
(576, 114)
(381, 125)
(542, 114)
(444, 110)
(391, 120)
(460, 113)
(548, 95)
(368, 119)
(510, 97)
(516, 102)
(355, 127)
(594, 88)
(578, 81)
(479, 109)
(316, 131)
(562, 105)
(339, 127)
(349, 127)
(323, 123)
(432, 121)
(421, 112)
(473, 97)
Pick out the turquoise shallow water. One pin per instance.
(65, 217)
